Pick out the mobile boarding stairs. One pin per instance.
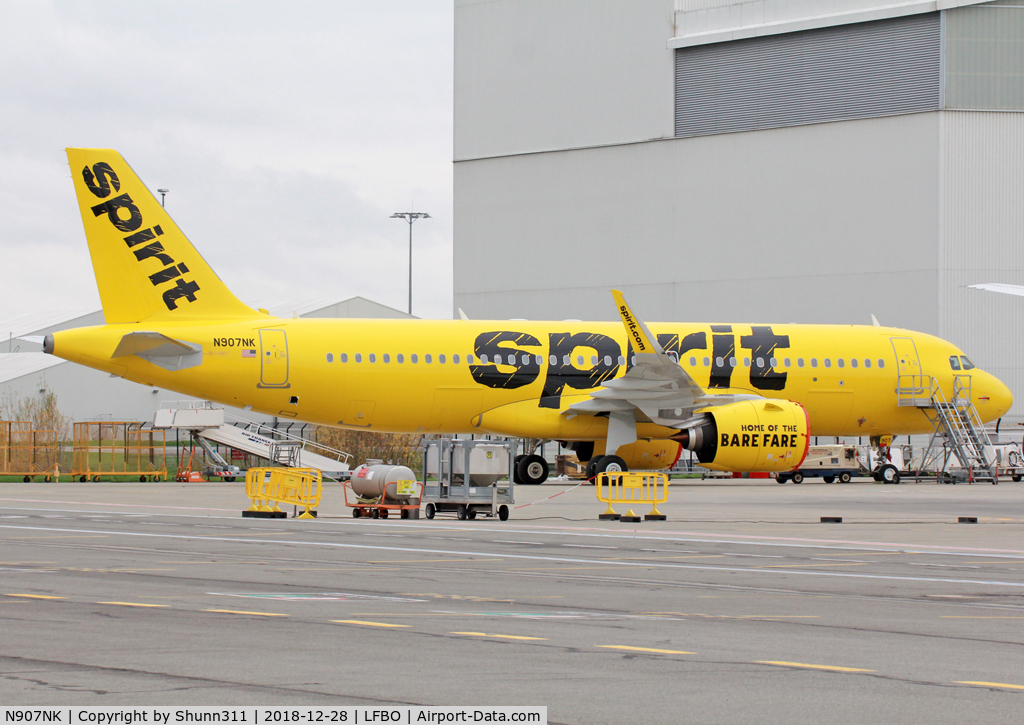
(208, 425)
(960, 449)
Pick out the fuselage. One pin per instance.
(517, 377)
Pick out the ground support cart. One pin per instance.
(468, 478)
(381, 507)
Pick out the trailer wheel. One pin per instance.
(844, 477)
(383, 513)
(828, 479)
(781, 478)
(503, 512)
(429, 511)
(798, 477)
(82, 479)
(1015, 478)
(374, 514)
(356, 513)
(462, 513)
(471, 514)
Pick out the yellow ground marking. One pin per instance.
(559, 568)
(831, 668)
(658, 558)
(949, 616)
(235, 611)
(804, 566)
(25, 563)
(369, 624)
(735, 616)
(134, 604)
(990, 684)
(645, 649)
(33, 596)
(499, 636)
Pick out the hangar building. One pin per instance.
(764, 161)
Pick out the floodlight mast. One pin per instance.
(410, 217)
(162, 193)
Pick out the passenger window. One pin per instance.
(441, 359)
(632, 359)
(344, 357)
(881, 363)
(693, 362)
(799, 362)
(579, 360)
(608, 361)
(373, 357)
(760, 362)
(498, 360)
(719, 362)
(414, 358)
(540, 360)
(359, 357)
(387, 358)
(840, 363)
(732, 361)
(853, 362)
(400, 358)
(968, 365)
(593, 359)
(814, 362)
(552, 360)
(867, 362)
(828, 363)
(786, 362)
(455, 359)
(469, 359)
(483, 359)
(707, 362)
(954, 362)
(330, 357)
(622, 360)
(566, 360)
(746, 362)
(427, 359)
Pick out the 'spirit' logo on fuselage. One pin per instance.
(102, 181)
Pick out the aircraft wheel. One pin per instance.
(516, 478)
(889, 474)
(429, 511)
(356, 513)
(828, 479)
(844, 477)
(798, 477)
(503, 512)
(471, 514)
(462, 513)
(532, 470)
(591, 471)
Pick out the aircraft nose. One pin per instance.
(992, 397)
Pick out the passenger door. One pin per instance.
(907, 361)
(273, 359)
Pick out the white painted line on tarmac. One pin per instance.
(505, 555)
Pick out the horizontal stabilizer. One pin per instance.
(161, 350)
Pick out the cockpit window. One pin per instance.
(968, 365)
(954, 362)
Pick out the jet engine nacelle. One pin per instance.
(750, 435)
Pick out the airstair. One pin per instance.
(960, 447)
(211, 425)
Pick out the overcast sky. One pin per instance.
(287, 133)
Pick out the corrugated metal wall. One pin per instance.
(985, 57)
(865, 70)
(982, 240)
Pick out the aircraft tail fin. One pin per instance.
(145, 267)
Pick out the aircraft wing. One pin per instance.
(1006, 289)
(655, 387)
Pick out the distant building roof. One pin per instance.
(18, 365)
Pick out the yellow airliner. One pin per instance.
(743, 397)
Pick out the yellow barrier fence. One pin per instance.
(628, 489)
(298, 486)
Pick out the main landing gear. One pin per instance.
(531, 469)
(602, 464)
